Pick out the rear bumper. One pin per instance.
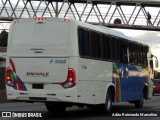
(66, 95)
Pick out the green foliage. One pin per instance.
(3, 38)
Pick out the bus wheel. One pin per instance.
(108, 102)
(139, 103)
(56, 107)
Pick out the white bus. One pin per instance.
(64, 62)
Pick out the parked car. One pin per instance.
(156, 86)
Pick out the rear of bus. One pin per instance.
(39, 61)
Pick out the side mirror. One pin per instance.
(156, 63)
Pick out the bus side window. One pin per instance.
(136, 54)
(84, 42)
(118, 50)
(98, 45)
(81, 41)
(108, 45)
(145, 56)
(115, 48)
(103, 47)
(140, 55)
(123, 52)
(146, 59)
(131, 54)
(93, 45)
(87, 43)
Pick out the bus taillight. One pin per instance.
(71, 79)
(9, 82)
(8, 77)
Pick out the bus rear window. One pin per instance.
(51, 36)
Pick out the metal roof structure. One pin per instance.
(132, 14)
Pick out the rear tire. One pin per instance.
(106, 107)
(56, 107)
(139, 103)
(108, 102)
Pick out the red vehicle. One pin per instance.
(156, 86)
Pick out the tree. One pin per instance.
(3, 38)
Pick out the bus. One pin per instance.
(64, 62)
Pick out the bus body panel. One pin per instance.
(94, 76)
(67, 95)
(129, 81)
(39, 79)
(40, 70)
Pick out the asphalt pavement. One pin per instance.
(150, 106)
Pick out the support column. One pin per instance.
(56, 10)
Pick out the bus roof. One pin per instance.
(99, 28)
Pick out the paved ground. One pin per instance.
(85, 113)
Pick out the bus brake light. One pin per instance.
(71, 79)
(9, 82)
(8, 77)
